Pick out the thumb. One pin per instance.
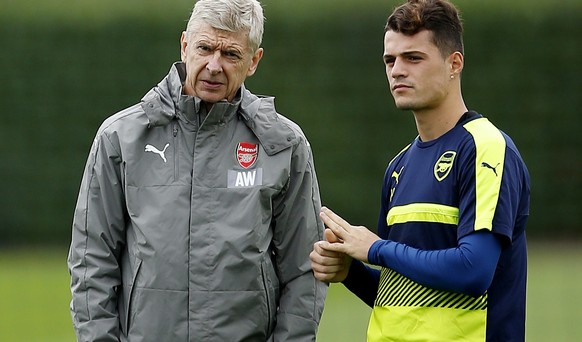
(330, 236)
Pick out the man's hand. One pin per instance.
(354, 241)
(329, 266)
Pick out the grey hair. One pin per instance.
(232, 16)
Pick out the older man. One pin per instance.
(199, 206)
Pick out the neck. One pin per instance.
(432, 123)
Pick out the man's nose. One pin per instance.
(214, 65)
(397, 69)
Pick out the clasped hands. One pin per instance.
(332, 257)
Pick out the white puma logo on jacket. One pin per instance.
(150, 148)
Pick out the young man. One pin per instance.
(199, 206)
(451, 244)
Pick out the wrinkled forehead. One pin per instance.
(201, 30)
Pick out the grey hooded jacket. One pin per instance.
(188, 231)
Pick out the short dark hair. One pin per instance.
(438, 16)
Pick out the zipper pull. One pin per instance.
(175, 130)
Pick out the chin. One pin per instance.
(405, 106)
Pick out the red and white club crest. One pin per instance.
(246, 154)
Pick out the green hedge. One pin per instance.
(62, 75)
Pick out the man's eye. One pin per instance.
(231, 55)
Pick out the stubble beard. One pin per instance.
(406, 105)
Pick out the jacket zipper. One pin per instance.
(267, 296)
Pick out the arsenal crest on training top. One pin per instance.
(246, 154)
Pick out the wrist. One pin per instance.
(373, 251)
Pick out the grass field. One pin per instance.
(34, 298)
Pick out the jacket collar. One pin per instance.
(260, 116)
(165, 102)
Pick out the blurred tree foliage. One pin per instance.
(66, 67)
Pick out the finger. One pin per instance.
(336, 229)
(325, 277)
(332, 247)
(339, 226)
(326, 265)
(321, 248)
(335, 217)
(321, 268)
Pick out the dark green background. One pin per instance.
(61, 75)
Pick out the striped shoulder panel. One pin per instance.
(399, 154)
(397, 290)
(489, 162)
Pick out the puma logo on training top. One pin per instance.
(494, 169)
(396, 175)
(150, 148)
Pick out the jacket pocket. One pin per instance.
(126, 300)
(176, 150)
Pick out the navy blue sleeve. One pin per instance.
(363, 281)
(467, 268)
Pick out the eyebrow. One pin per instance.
(404, 54)
(230, 47)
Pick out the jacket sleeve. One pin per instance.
(97, 238)
(297, 227)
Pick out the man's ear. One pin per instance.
(456, 63)
(183, 46)
(255, 62)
